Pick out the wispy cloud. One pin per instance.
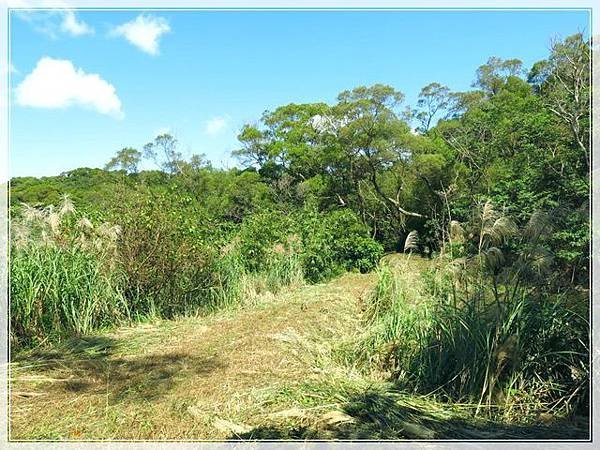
(216, 125)
(56, 83)
(73, 26)
(144, 32)
(54, 23)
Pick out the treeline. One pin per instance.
(519, 139)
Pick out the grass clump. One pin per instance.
(57, 292)
(62, 278)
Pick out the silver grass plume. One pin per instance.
(66, 206)
(412, 241)
(538, 226)
(493, 258)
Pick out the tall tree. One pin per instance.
(563, 80)
(492, 75)
(433, 100)
(163, 151)
(127, 159)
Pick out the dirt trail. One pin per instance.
(195, 378)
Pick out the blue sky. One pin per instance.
(85, 84)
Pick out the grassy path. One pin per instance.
(269, 370)
(182, 379)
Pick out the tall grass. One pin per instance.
(63, 280)
(227, 284)
(397, 322)
(233, 281)
(284, 268)
(56, 292)
(529, 357)
(71, 274)
(488, 328)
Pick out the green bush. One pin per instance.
(163, 255)
(328, 243)
(362, 253)
(258, 234)
(335, 242)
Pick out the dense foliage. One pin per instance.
(494, 182)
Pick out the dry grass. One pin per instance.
(176, 379)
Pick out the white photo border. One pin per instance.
(9, 6)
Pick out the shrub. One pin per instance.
(335, 242)
(257, 236)
(163, 255)
(327, 243)
(362, 253)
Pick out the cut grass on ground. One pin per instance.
(271, 370)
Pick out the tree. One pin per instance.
(254, 150)
(126, 159)
(492, 75)
(461, 102)
(356, 154)
(524, 144)
(198, 162)
(163, 151)
(563, 81)
(373, 140)
(433, 99)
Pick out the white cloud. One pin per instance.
(56, 83)
(215, 125)
(55, 22)
(144, 32)
(71, 25)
